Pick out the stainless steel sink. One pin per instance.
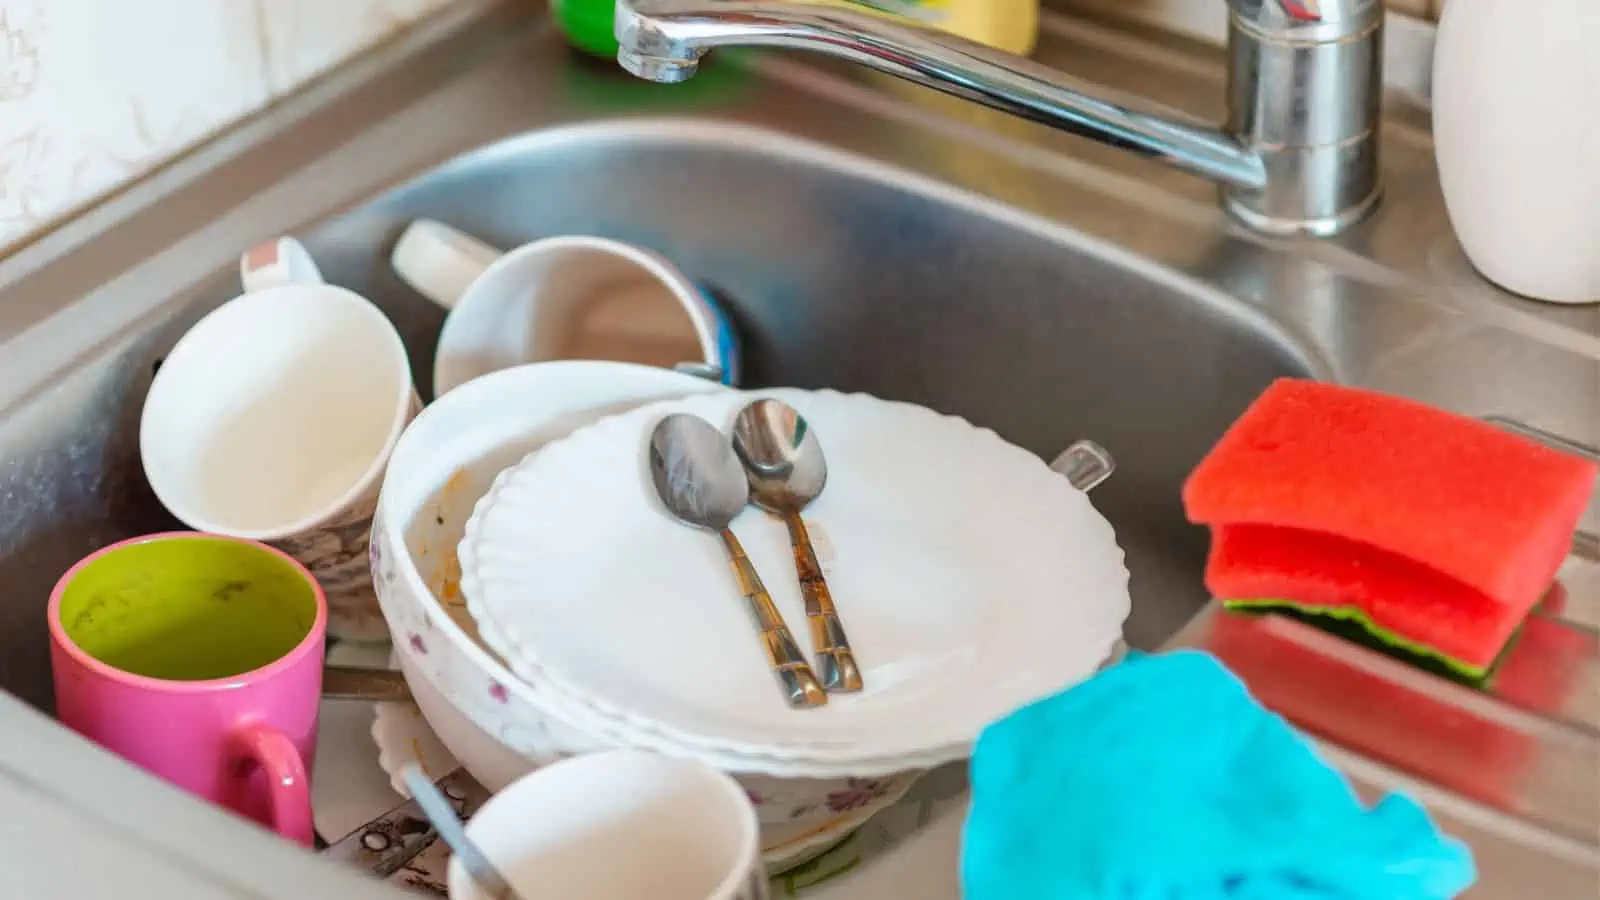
(867, 236)
(839, 273)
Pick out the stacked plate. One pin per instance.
(970, 577)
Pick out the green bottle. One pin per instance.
(588, 25)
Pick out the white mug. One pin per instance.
(573, 296)
(621, 823)
(273, 419)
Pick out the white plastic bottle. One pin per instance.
(1516, 120)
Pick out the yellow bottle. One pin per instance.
(1010, 25)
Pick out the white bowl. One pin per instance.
(495, 724)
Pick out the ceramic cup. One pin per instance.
(273, 419)
(199, 658)
(568, 297)
(622, 823)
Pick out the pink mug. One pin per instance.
(199, 658)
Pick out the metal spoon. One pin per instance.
(783, 463)
(442, 815)
(700, 482)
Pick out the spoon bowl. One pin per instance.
(782, 457)
(696, 474)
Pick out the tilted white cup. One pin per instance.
(273, 419)
(572, 296)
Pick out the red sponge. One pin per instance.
(1394, 598)
(1463, 497)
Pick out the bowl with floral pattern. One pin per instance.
(495, 724)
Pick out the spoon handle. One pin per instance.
(783, 654)
(836, 662)
(445, 820)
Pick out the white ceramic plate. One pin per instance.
(970, 577)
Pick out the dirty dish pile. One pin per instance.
(614, 626)
(496, 724)
(499, 725)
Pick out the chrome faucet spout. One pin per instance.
(1298, 154)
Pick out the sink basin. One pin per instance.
(838, 273)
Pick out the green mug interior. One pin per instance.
(188, 608)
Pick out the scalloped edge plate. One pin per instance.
(515, 550)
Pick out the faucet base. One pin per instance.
(1241, 210)
(1305, 97)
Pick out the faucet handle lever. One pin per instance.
(1302, 10)
(1276, 14)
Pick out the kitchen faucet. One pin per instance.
(1298, 153)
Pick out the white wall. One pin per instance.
(94, 93)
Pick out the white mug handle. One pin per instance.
(440, 262)
(277, 262)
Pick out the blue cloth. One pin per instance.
(1161, 778)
